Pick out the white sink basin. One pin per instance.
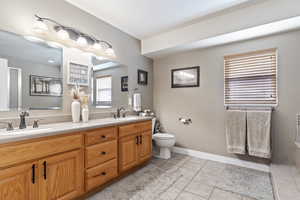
(127, 118)
(23, 131)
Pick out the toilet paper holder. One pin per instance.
(185, 121)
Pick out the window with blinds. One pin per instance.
(103, 91)
(251, 78)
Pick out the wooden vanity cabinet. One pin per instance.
(128, 152)
(59, 175)
(145, 151)
(64, 167)
(101, 156)
(135, 144)
(19, 182)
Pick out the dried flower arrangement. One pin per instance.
(76, 93)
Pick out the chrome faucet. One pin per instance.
(23, 116)
(9, 126)
(119, 111)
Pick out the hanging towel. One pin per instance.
(137, 102)
(236, 131)
(259, 133)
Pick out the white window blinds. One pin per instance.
(251, 78)
(103, 90)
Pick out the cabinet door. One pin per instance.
(145, 146)
(20, 182)
(128, 152)
(61, 176)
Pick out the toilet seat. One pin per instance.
(163, 136)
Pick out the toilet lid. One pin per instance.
(163, 136)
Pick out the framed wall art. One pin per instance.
(185, 77)
(45, 86)
(142, 77)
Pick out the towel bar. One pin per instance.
(249, 108)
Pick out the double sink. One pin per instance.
(59, 128)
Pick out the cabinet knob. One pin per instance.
(103, 136)
(103, 152)
(103, 173)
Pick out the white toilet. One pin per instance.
(165, 142)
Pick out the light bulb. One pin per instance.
(39, 26)
(110, 52)
(63, 34)
(81, 41)
(97, 46)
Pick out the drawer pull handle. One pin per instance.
(33, 174)
(137, 139)
(103, 136)
(103, 153)
(45, 169)
(103, 173)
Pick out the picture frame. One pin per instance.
(124, 83)
(185, 77)
(142, 77)
(45, 86)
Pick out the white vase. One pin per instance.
(85, 114)
(75, 107)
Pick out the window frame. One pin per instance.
(275, 50)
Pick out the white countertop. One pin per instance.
(62, 128)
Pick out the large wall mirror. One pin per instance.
(30, 74)
(109, 84)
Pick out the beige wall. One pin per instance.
(18, 16)
(205, 104)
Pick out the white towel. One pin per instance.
(137, 102)
(259, 133)
(236, 131)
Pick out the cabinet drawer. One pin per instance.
(37, 149)
(101, 174)
(99, 153)
(127, 130)
(145, 126)
(100, 135)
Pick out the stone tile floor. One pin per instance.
(188, 178)
(286, 181)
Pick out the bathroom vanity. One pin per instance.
(70, 160)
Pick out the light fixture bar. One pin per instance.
(74, 30)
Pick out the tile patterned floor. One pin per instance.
(187, 178)
(286, 181)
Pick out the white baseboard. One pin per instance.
(222, 159)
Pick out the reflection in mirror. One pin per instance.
(106, 84)
(30, 74)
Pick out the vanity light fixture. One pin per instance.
(66, 35)
(63, 34)
(81, 41)
(40, 26)
(97, 45)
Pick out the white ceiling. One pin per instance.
(146, 18)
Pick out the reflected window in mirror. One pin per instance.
(112, 96)
(104, 91)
